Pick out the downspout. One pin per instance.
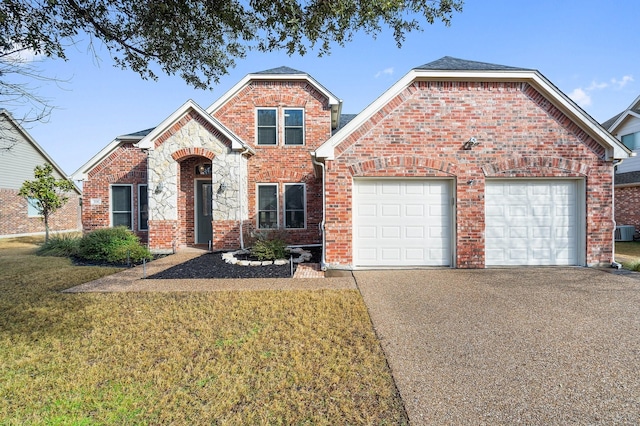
(323, 263)
(614, 264)
(240, 194)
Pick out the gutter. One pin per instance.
(240, 193)
(614, 264)
(323, 263)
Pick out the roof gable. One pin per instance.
(26, 137)
(281, 74)
(632, 111)
(481, 72)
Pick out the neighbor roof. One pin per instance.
(613, 123)
(281, 70)
(449, 63)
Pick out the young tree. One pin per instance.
(200, 39)
(46, 192)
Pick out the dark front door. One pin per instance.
(204, 194)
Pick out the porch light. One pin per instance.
(222, 188)
(159, 188)
(471, 143)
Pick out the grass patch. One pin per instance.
(279, 357)
(628, 254)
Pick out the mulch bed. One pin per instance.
(211, 265)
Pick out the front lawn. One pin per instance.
(628, 254)
(278, 357)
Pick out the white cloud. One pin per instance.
(384, 72)
(22, 56)
(597, 86)
(621, 83)
(580, 97)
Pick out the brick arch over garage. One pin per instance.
(410, 164)
(184, 153)
(535, 165)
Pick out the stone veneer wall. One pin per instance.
(189, 142)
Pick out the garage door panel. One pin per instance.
(530, 222)
(411, 225)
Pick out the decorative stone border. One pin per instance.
(302, 256)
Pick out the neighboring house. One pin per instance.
(626, 127)
(460, 163)
(19, 156)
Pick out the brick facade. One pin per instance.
(126, 165)
(627, 200)
(421, 132)
(15, 221)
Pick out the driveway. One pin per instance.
(505, 346)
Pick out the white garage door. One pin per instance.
(402, 222)
(532, 222)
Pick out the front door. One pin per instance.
(204, 194)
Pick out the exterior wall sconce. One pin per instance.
(159, 188)
(222, 188)
(471, 143)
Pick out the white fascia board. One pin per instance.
(147, 142)
(333, 100)
(615, 149)
(82, 172)
(616, 125)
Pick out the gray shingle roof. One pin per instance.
(280, 70)
(625, 178)
(344, 120)
(610, 121)
(448, 63)
(141, 133)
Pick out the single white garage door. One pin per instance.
(531, 222)
(402, 222)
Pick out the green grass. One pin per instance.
(628, 254)
(279, 357)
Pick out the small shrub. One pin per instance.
(269, 247)
(114, 245)
(62, 245)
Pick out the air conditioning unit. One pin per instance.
(625, 232)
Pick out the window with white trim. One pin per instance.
(143, 208)
(267, 206)
(267, 119)
(294, 206)
(33, 207)
(121, 203)
(294, 127)
(632, 140)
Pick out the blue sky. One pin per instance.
(587, 48)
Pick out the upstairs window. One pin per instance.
(267, 126)
(632, 141)
(293, 127)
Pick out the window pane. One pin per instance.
(293, 127)
(266, 136)
(295, 219)
(122, 219)
(293, 136)
(293, 117)
(143, 208)
(32, 207)
(632, 141)
(121, 198)
(266, 117)
(294, 197)
(267, 220)
(267, 197)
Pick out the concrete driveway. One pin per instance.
(505, 346)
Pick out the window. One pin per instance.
(294, 205)
(143, 208)
(121, 212)
(267, 206)
(267, 127)
(293, 127)
(33, 207)
(632, 141)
